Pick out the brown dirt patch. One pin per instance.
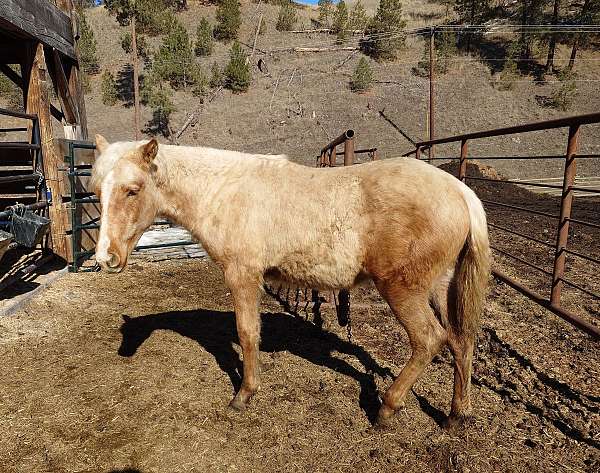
(85, 391)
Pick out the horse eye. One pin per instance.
(131, 192)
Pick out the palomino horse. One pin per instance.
(416, 231)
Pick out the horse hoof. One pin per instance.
(237, 404)
(384, 417)
(455, 423)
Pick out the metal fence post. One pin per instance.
(462, 168)
(418, 153)
(332, 157)
(565, 214)
(349, 151)
(431, 89)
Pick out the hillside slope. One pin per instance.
(305, 99)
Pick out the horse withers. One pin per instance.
(419, 233)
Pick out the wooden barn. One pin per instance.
(38, 53)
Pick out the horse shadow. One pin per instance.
(216, 332)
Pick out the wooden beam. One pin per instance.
(64, 94)
(12, 75)
(42, 21)
(38, 103)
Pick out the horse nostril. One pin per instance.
(113, 261)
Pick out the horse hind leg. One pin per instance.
(427, 337)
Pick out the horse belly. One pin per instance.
(320, 268)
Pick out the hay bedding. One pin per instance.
(85, 391)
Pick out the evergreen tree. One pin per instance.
(237, 72)
(531, 14)
(204, 38)
(589, 14)
(109, 91)
(445, 48)
(143, 48)
(88, 59)
(287, 16)
(174, 61)
(358, 19)
(158, 96)
(472, 12)
(340, 21)
(362, 78)
(384, 34)
(229, 19)
(216, 76)
(152, 16)
(325, 11)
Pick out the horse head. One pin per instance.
(122, 179)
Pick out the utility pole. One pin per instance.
(431, 91)
(136, 84)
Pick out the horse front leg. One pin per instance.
(245, 288)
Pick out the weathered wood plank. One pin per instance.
(38, 103)
(42, 21)
(64, 94)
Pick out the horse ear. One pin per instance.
(101, 144)
(126, 318)
(149, 150)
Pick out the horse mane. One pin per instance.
(211, 157)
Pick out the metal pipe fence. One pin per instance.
(564, 219)
(80, 199)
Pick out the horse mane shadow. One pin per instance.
(216, 332)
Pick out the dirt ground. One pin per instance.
(133, 373)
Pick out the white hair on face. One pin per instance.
(107, 160)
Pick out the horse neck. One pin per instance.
(186, 184)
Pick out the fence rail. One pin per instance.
(564, 219)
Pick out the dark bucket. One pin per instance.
(28, 228)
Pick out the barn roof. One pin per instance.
(37, 20)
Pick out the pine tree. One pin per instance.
(143, 48)
(237, 72)
(358, 19)
(445, 48)
(109, 91)
(88, 59)
(385, 31)
(229, 20)
(287, 16)
(325, 11)
(174, 61)
(204, 38)
(216, 76)
(362, 78)
(472, 12)
(158, 96)
(152, 16)
(340, 21)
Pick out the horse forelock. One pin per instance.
(107, 160)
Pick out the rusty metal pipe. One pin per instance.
(566, 203)
(564, 314)
(349, 151)
(339, 140)
(538, 126)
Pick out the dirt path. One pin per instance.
(85, 390)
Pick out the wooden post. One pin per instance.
(39, 104)
(136, 84)
(431, 90)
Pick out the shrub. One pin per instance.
(563, 95)
(229, 20)
(156, 94)
(237, 72)
(287, 17)
(385, 29)
(362, 77)
(110, 95)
